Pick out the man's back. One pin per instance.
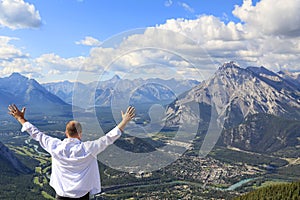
(74, 169)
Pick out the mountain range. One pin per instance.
(235, 95)
(136, 91)
(55, 99)
(249, 101)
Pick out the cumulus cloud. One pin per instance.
(12, 59)
(278, 17)
(152, 48)
(17, 14)
(200, 45)
(57, 63)
(9, 51)
(89, 41)
(186, 48)
(206, 27)
(268, 35)
(15, 65)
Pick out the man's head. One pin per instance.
(73, 129)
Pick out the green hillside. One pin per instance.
(284, 191)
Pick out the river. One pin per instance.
(238, 184)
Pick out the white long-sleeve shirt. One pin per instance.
(75, 169)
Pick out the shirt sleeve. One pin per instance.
(99, 145)
(46, 142)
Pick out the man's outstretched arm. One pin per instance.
(16, 113)
(97, 146)
(46, 142)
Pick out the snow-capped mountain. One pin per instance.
(64, 89)
(137, 91)
(235, 93)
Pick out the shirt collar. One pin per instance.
(74, 140)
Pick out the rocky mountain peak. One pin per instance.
(229, 65)
(27, 92)
(16, 75)
(115, 78)
(237, 92)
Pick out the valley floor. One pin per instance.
(224, 174)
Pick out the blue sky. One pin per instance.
(67, 21)
(51, 40)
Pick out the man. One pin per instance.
(75, 173)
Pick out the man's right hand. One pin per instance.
(16, 113)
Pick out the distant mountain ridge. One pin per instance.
(138, 90)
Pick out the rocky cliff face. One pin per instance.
(237, 92)
(234, 94)
(293, 78)
(265, 134)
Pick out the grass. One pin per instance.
(38, 170)
(47, 196)
(41, 167)
(270, 183)
(254, 159)
(37, 181)
(46, 169)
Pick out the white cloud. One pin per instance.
(89, 41)
(155, 47)
(182, 47)
(17, 14)
(56, 63)
(12, 59)
(205, 28)
(186, 7)
(9, 51)
(278, 17)
(201, 43)
(263, 38)
(168, 3)
(21, 65)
